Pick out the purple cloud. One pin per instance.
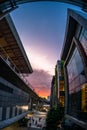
(41, 81)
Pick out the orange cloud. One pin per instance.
(42, 91)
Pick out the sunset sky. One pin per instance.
(41, 27)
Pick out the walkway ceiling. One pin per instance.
(11, 47)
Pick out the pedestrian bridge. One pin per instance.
(16, 94)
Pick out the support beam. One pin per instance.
(7, 12)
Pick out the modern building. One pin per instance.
(74, 55)
(52, 92)
(60, 82)
(53, 95)
(57, 86)
(16, 94)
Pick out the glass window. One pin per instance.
(75, 66)
(83, 39)
(76, 78)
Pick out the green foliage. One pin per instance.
(23, 122)
(54, 116)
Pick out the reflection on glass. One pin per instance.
(76, 78)
(83, 39)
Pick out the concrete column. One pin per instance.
(37, 105)
(31, 104)
(1, 113)
(7, 112)
(13, 111)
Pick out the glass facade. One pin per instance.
(77, 84)
(83, 39)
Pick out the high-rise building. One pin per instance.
(57, 86)
(53, 95)
(60, 82)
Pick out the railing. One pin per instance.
(78, 114)
(8, 60)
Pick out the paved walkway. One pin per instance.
(36, 122)
(30, 128)
(34, 128)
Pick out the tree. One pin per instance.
(54, 116)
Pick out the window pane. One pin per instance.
(76, 78)
(83, 39)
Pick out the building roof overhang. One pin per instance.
(73, 18)
(6, 4)
(11, 46)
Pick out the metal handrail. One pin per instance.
(8, 60)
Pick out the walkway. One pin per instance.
(30, 128)
(37, 120)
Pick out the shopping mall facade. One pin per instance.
(74, 54)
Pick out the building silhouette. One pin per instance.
(53, 95)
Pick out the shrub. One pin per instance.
(54, 116)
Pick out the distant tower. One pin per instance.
(60, 82)
(48, 98)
